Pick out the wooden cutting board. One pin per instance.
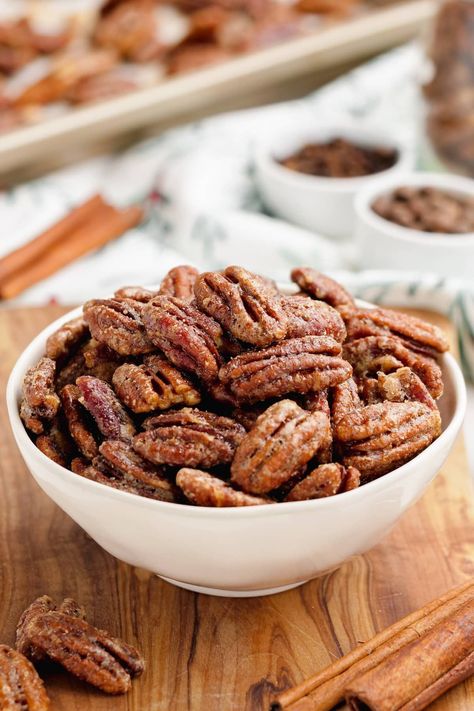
(208, 653)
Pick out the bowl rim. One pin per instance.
(24, 442)
(266, 156)
(451, 183)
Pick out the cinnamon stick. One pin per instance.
(419, 672)
(36, 248)
(105, 224)
(326, 689)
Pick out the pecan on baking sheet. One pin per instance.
(297, 365)
(118, 323)
(156, 384)
(106, 409)
(85, 651)
(189, 338)
(179, 282)
(203, 489)
(40, 403)
(323, 288)
(189, 437)
(378, 438)
(243, 304)
(21, 689)
(325, 480)
(279, 445)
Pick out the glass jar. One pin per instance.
(449, 94)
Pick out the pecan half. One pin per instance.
(154, 385)
(118, 323)
(40, 401)
(63, 342)
(89, 653)
(78, 421)
(189, 437)
(378, 438)
(21, 689)
(56, 444)
(243, 304)
(93, 358)
(413, 332)
(323, 288)
(364, 354)
(40, 606)
(179, 282)
(189, 338)
(281, 443)
(297, 365)
(136, 293)
(307, 317)
(345, 399)
(109, 415)
(101, 472)
(203, 489)
(319, 402)
(325, 480)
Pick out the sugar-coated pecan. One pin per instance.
(297, 365)
(154, 385)
(89, 653)
(63, 342)
(118, 323)
(179, 282)
(189, 338)
(378, 438)
(121, 461)
(136, 293)
(189, 437)
(365, 353)
(307, 317)
(325, 480)
(344, 399)
(404, 385)
(92, 358)
(203, 489)
(243, 304)
(78, 421)
(40, 401)
(414, 332)
(319, 402)
(323, 288)
(21, 689)
(38, 607)
(281, 443)
(102, 403)
(49, 446)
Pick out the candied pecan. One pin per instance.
(21, 687)
(189, 437)
(364, 354)
(100, 400)
(380, 437)
(307, 317)
(154, 385)
(243, 304)
(404, 385)
(40, 606)
(136, 293)
(296, 365)
(203, 489)
(131, 29)
(281, 443)
(40, 402)
(414, 332)
(89, 653)
(118, 323)
(122, 461)
(189, 338)
(179, 282)
(63, 342)
(345, 399)
(319, 402)
(323, 288)
(325, 480)
(77, 419)
(49, 446)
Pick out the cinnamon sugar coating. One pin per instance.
(118, 323)
(179, 282)
(325, 480)
(40, 401)
(203, 489)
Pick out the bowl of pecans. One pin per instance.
(417, 221)
(309, 175)
(234, 436)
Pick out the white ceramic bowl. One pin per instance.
(322, 205)
(381, 244)
(236, 552)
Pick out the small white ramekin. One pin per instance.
(322, 205)
(381, 244)
(236, 552)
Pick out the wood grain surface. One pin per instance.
(216, 654)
